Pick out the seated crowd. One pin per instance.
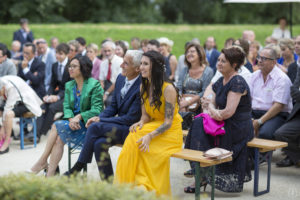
(141, 96)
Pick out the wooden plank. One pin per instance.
(266, 145)
(28, 115)
(192, 155)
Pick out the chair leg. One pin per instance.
(34, 131)
(21, 133)
(69, 158)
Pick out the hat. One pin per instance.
(164, 40)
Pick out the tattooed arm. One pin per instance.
(170, 102)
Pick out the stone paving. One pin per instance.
(285, 182)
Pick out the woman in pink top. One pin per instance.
(92, 50)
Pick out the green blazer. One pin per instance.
(91, 100)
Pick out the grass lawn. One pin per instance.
(178, 33)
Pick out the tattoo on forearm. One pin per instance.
(162, 128)
(169, 110)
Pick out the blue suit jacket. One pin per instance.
(123, 112)
(36, 81)
(213, 59)
(19, 36)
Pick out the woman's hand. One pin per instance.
(134, 126)
(144, 142)
(205, 102)
(183, 103)
(75, 122)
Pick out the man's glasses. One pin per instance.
(263, 58)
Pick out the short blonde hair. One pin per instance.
(286, 42)
(93, 46)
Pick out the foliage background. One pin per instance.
(144, 11)
(180, 34)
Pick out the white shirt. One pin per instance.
(64, 63)
(279, 33)
(243, 71)
(115, 68)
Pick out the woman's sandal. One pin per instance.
(189, 173)
(191, 189)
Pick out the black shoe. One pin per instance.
(5, 151)
(286, 162)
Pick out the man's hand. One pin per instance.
(256, 127)
(24, 63)
(92, 120)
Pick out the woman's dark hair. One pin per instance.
(122, 45)
(234, 55)
(158, 78)
(200, 51)
(86, 65)
(245, 45)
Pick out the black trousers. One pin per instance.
(290, 133)
(46, 120)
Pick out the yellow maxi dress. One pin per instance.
(151, 169)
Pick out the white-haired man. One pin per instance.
(109, 70)
(112, 125)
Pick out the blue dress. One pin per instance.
(74, 139)
(230, 176)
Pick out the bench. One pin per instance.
(263, 150)
(201, 161)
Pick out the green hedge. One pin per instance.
(32, 187)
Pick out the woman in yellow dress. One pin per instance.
(144, 159)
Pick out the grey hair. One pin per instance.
(272, 51)
(74, 43)
(109, 43)
(136, 56)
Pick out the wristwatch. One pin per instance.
(106, 93)
(259, 122)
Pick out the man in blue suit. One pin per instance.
(32, 70)
(112, 125)
(212, 54)
(24, 34)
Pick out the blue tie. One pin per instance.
(124, 90)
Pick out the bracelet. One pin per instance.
(259, 121)
(106, 93)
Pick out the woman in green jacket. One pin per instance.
(83, 100)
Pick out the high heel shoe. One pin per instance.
(192, 189)
(5, 151)
(44, 168)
